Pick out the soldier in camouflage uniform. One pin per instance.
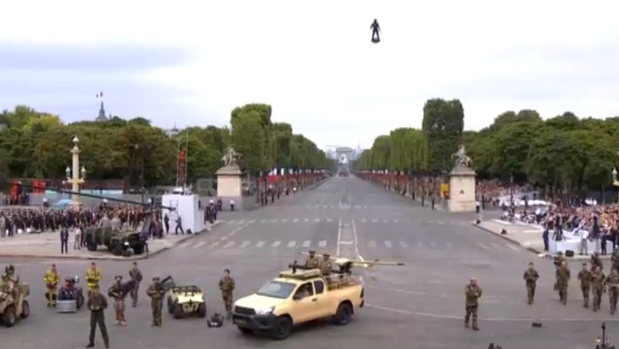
(613, 290)
(97, 303)
(227, 285)
(558, 260)
(596, 261)
(472, 292)
(585, 277)
(326, 266)
(598, 280)
(563, 278)
(615, 260)
(530, 278)
(135, 275)
(155, 292)
(312, 261)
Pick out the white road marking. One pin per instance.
(363, 220)
(325, 206)
(372, 243)
(307, 243)
(284, 220)
(322, 243)
(317, 220)
(245, 244)
(295, 220)
(396, 221)
(388, 244)
(230, 221)
(229, 244)
(273, 220)
(482, 245)
(292, 243)
(450, 245)
(306, 220)
(385, 221)
(329, 220)
(260, 244)
(420, 244)
(276, 243)
(263, 221)
(252, 221)
(433, 244)
(184, 245)
(199, 244)
(495, 245)
(339, 237)
(241, 221)
(403, 244)
(374, 220)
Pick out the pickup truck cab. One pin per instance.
(296, 297)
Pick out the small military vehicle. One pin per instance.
(118, 242)
(184, 301)
(14, 305)
(70, 296)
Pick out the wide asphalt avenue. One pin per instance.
(419, 305)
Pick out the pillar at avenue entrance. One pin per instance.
(73, 174)
(462, 184)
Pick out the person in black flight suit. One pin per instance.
(64, 240)
(97, 303)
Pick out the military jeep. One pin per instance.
(118, 242)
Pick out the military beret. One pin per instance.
(118, 277)
(312, 251)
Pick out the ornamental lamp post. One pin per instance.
(615, 182)
(73, 174)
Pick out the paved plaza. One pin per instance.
(419, 305)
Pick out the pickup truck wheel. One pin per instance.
(170, 303)
(283, 327)
(244, 330)
(343, 314)
(178, 312)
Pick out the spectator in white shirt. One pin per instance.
(584, 236)
(77, 238)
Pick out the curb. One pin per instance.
(111, 257)
(505, 237)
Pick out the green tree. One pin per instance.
(443, 124)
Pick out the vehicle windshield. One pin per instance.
(276, 289)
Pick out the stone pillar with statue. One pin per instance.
(230, 182)
(462, 184)
(75, 176)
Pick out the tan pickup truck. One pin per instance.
(296, 297)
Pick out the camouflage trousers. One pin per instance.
(155, 306)
(530, 292)
(227, 299)
(613, 296)
(471, 312)
(119, 309)
(562, 293)
(51, 295)
(597, 298)
(585, 295)
(134, 295)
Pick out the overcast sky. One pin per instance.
(192, 62)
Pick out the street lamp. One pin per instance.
(615, 182)
(73, 175)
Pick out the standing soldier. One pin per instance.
(596, 261)
(97, 303)
(530, 278)
(326, 265)
(613, 290)
(155, 292)
(227, 285)
(51, 285)
(472, 292)
(93, 277)
(563, 278)
(312, 261)
(615, 259)
(558, 260)
(136, 275)
(585, 276)
(117, 293)
(598, 280)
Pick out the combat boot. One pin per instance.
(475, 328)
(90, 345)
(466, 324)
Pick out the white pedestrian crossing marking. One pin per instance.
(363, 220)
(385, 221)
(276, 243)
(273, 220)
(263, 221)
(329, 220)
(229, 244)
(388, 244)
(317, 220)
(284, 220)
(252, 221)
(199, 244)
(420, 244)
(241, 221)
(450, 245)
(403, 244)
(322, 243)
(512, 247)
(245, 244)
(260, 244)
(433, 244)
(374, 220)
(495, 245)
(372, 243)
(306, 220)
(332, 206)
(295, 220)
(292, 243)
(307, 243)
(396, 221)
(325, 206)
(230, 221)
(184, 245)
(482, 246)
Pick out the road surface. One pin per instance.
(419, 305)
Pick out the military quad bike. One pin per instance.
(14, 306)
(184, 301)
(118, 242)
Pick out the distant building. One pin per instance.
(101, 116)
(172, 132)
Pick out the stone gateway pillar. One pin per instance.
(462, 197)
